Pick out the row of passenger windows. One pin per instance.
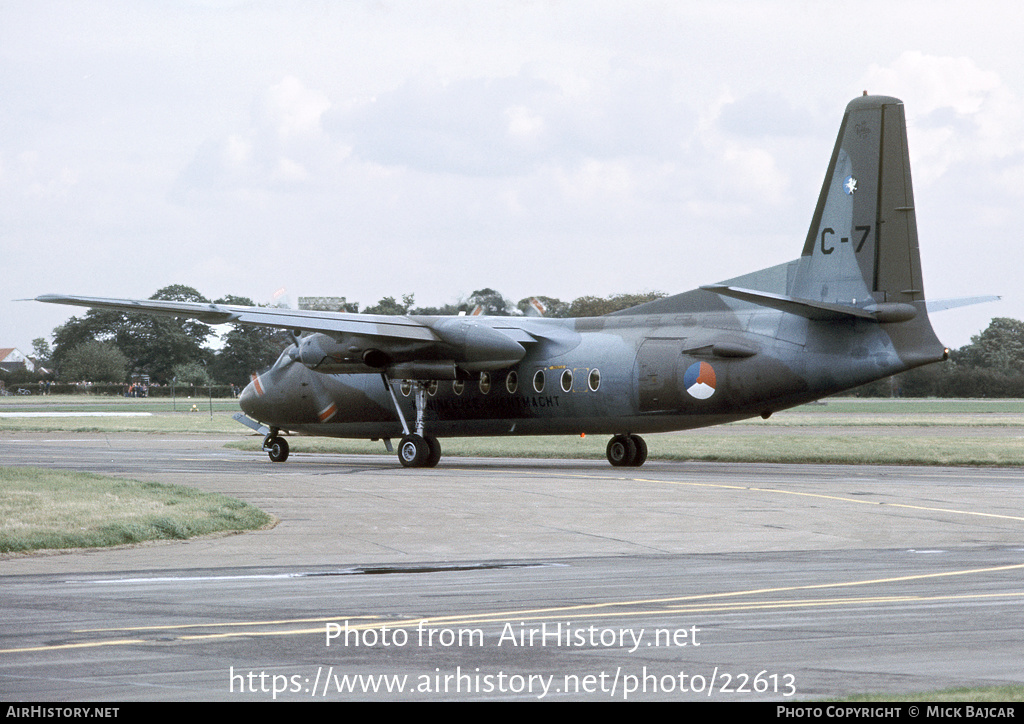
(565, 380)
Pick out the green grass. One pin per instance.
(165, 415)
(91, 403)
(158, 424)
(875, 405)
(47, 509)
(993, 694)
(842, 430)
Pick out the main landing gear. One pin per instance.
(416, 450)
(627, 451)
(275, 445)
(419, 451)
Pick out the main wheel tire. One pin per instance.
(641, 451)
(278, 449)
(413, 451)
(435, 451)
(621, 451)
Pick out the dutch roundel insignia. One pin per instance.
(699, 380)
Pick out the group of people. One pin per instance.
(137, 389)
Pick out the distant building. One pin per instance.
(12, 360)
(327, 304)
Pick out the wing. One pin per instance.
(345, 342)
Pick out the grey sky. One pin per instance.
(365, 149)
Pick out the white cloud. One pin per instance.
(523, 123)
(957, 112)
(754, 172)
(291, 171)
(597, 181)
(295, 109)
(237, 150)
(933, 82)
(279, 143)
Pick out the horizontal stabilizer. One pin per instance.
(818, 311)
(940, 305)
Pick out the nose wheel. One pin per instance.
(627, 451)
(276, 446)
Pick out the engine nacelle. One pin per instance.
(468, 346)
(323, 353)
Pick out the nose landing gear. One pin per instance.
(275, 445)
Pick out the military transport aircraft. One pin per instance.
(851, 309)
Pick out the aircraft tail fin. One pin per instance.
(862, 247)
(860, 258)
(861, 251)
(860, 262)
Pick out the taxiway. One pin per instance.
(524, 579)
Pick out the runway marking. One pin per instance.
(545, 612)
(669, 605)
(173, 626)
(756, 605)
(840, 498)
(780, 491)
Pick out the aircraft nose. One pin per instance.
(251, 399)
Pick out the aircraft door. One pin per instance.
(657, 368)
